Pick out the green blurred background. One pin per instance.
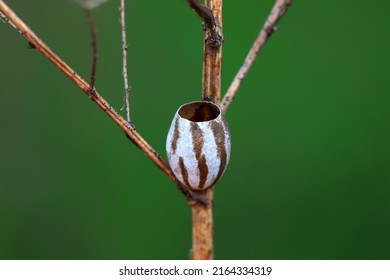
(309, 176)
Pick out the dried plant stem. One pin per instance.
(124, 55)
(211, 86)
(212, 54)
(213, 33)
(279, 9)
(129, 129)
(92, 29)
(202, 215)
(202, 229)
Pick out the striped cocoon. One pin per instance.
(198, 144)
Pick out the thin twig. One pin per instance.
(202, 216)
(203, 11)
(92, 30)
(124, 54)
(269, 27)
(128, 128)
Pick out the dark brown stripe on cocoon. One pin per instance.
(176, 136)
(198, 141)
(184, 172)
(219, 137)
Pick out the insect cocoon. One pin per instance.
(198, 144)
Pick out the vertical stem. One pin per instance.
(202, 229)
(202, 215)
(212, 59)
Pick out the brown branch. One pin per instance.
(92, 30)
(279, 9)
(202, 228)
(211, 26)
(203, 11)
(202, 215)
(211, 14)
(212, 57)
(128, 128)
(124, 55)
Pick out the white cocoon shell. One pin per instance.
(198, 151)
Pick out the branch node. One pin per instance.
(213, 33)
(92, 94)
(195, 200)
(209, 99)
(31, 46)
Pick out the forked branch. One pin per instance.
(211, 26)
(212, 18)
(269, 27)
(211, 15)
(10, 17)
